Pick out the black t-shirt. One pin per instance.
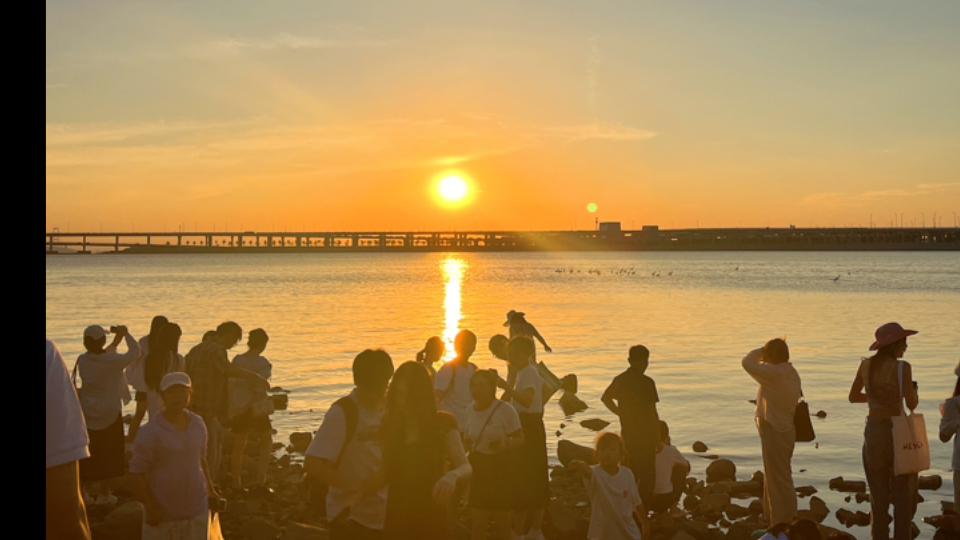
(634, 393)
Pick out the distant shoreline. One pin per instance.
(649, 238)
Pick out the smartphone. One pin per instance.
(113, 329)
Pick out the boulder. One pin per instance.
(300, 440)
(721, 470)
(946, 507)
(835, 534)
(259, 529)
(561, 518)
(123, 523)
(742, 490)
(850, 519)
(734, 511)
(569, 383)
(299, 531)
(819, 509)
(697, 529)
(743, 530)
(848, 486)
(862, 497)
(713, 503)
(571, 404)
(568, 451)
(682, 535)
(700, 447)
(948, 524)
(821, 414)
(690, 502)
(757, 477)
(805, 491)
(594, 424)
(280, 401)
(756, 507)
(932, 482)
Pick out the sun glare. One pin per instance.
(592, 207)
(453, 188)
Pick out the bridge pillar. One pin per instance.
(116, 243)
(356, 240)
(209, 241)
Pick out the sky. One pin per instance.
(343, 115)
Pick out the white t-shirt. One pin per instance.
(154, 404)
(134, 371)
(778, 393)
(613, 499)
(457, 398)
(361, 458)
(242, 392)
(666, 459)
(103, 383)
(503, 421)
(66, 431)
(529, 377)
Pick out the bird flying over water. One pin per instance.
(836, 278)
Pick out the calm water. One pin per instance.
(699, 321)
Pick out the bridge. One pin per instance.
(650, 238)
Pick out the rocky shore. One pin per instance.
(724, 504)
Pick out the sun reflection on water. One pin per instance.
(453, 270)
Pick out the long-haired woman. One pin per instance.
(883, 381)
(432, 353)
(417, 441)
(134, 374)
(164, 357)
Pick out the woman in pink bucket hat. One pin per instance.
(878, 385)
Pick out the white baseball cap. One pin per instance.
(95, 332)
(174, 378)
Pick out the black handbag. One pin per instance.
(802, 423)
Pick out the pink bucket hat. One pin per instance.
(890, 333)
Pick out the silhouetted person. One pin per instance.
(101, 395)
(612, 489)
(169, 467)
(533, 484)
(66, 515)
(418, 441)
(243, 394)
(672, 469)
(877, 384)
(164, 357)
(452, 383)
(209, 369)
(346, 454)
(492, 432)
(777, 400)
(432, 353)
(949, 428)
(633, 397)
(134, 374)
(517, 322)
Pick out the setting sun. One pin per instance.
(453, 188)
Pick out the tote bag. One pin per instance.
(911, 454)
(802, 423)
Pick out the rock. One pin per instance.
(709, 456)
(278, 390)
(123, 523)
(569, 383)
(756, 507)
(562, 425)
(259, 529)
(284, 461)
(947, 524)
(300, 440)
(700, 447)
(559, 433)
(560, 517)
(850, 519)
(682, 535)
(663, 523)
(280, 401)
(571, 404)
(757, 477)
(720, 470)
(932, 482)
(834, 534)
(821, 414)
(862, 497)
(946, 507)
(594, 424)
(690, 502)
(805, 491)
(697, 529)
(735, 511)
(848, 486)
(299, 531)
(743, 530)
(713, 503)
(819, 509)
(568, 451)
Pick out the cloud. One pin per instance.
(283, 41)
(838, 199)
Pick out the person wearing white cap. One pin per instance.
(883, 381)
(169, 467)
(103, 388)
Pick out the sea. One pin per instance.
(699, 313)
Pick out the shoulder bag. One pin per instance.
(911, 454)
(801, 421)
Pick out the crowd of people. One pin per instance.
(398, 455)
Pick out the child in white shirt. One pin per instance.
(613, 493)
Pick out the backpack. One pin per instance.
(317, 494)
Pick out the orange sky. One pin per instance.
(340, 116)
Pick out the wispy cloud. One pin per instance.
(283, 41)
(839, 199)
